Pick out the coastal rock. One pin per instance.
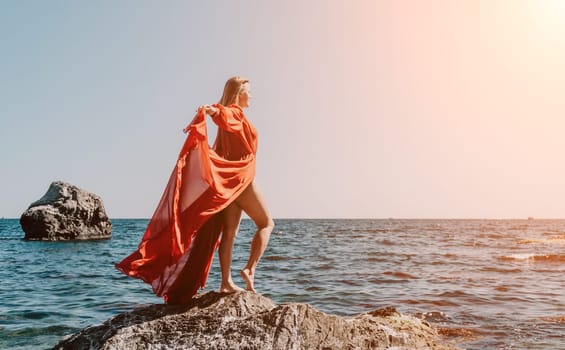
(66, 212)
(246, 320)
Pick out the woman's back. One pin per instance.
(236, 137)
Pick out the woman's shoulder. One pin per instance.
(236, 106)
(236, 111)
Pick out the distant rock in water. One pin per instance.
(66, 212)
(246, 320)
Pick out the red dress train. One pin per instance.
(177, 249)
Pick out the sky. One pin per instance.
(364, 108)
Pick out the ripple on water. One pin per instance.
(398, 274)
(556, 240)
(31, 331)
(375, 230)
(487, 233)
(434, 302)
(433, 316)
(500, 269)
(314, 288)
(325, 267)
(559, 319)
(533, 257)
(377, 260)
(33, 337)
(379, 281)
(350, 282)
(281, 258)
(502, 288)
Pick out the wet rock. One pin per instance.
(66, 212)
(245, 320)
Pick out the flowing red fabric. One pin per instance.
(177, 249)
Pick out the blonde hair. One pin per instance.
(231, 90)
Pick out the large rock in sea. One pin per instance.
(66, 212)
(245, 320)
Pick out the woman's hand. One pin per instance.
(210, 110)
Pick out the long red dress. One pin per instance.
(177, 249)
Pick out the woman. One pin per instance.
(205, 196)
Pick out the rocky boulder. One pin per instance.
(66, 212)
(245, 320)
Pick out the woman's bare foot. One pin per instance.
(230, 287)
(248, 277)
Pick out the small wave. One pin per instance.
(35, 331)
(454, 294)
(117, 306)
(350, 282)
(518, 228)
(377, 259)
(501, 270)
(291, 295)
(511, 299)
(401, 230)
(325, 267)
(551, 240)
(375, 230)
(28, 315)
(553, 232)
(551, 258)
(554, 319)
(475, 244)
(493, 235)
(276, 258)
(548, 270)
(428, 302)
(399, 274)
(337, 230)
(433, 316)
(367, 306)
(384, 281)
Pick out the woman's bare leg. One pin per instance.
(231, 218)
(252, 202)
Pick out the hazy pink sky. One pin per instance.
(366, 108)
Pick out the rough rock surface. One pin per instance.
(66, 212)
(245, 320)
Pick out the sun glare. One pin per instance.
(548, 16)
(557, 5)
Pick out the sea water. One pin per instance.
(485, 284)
